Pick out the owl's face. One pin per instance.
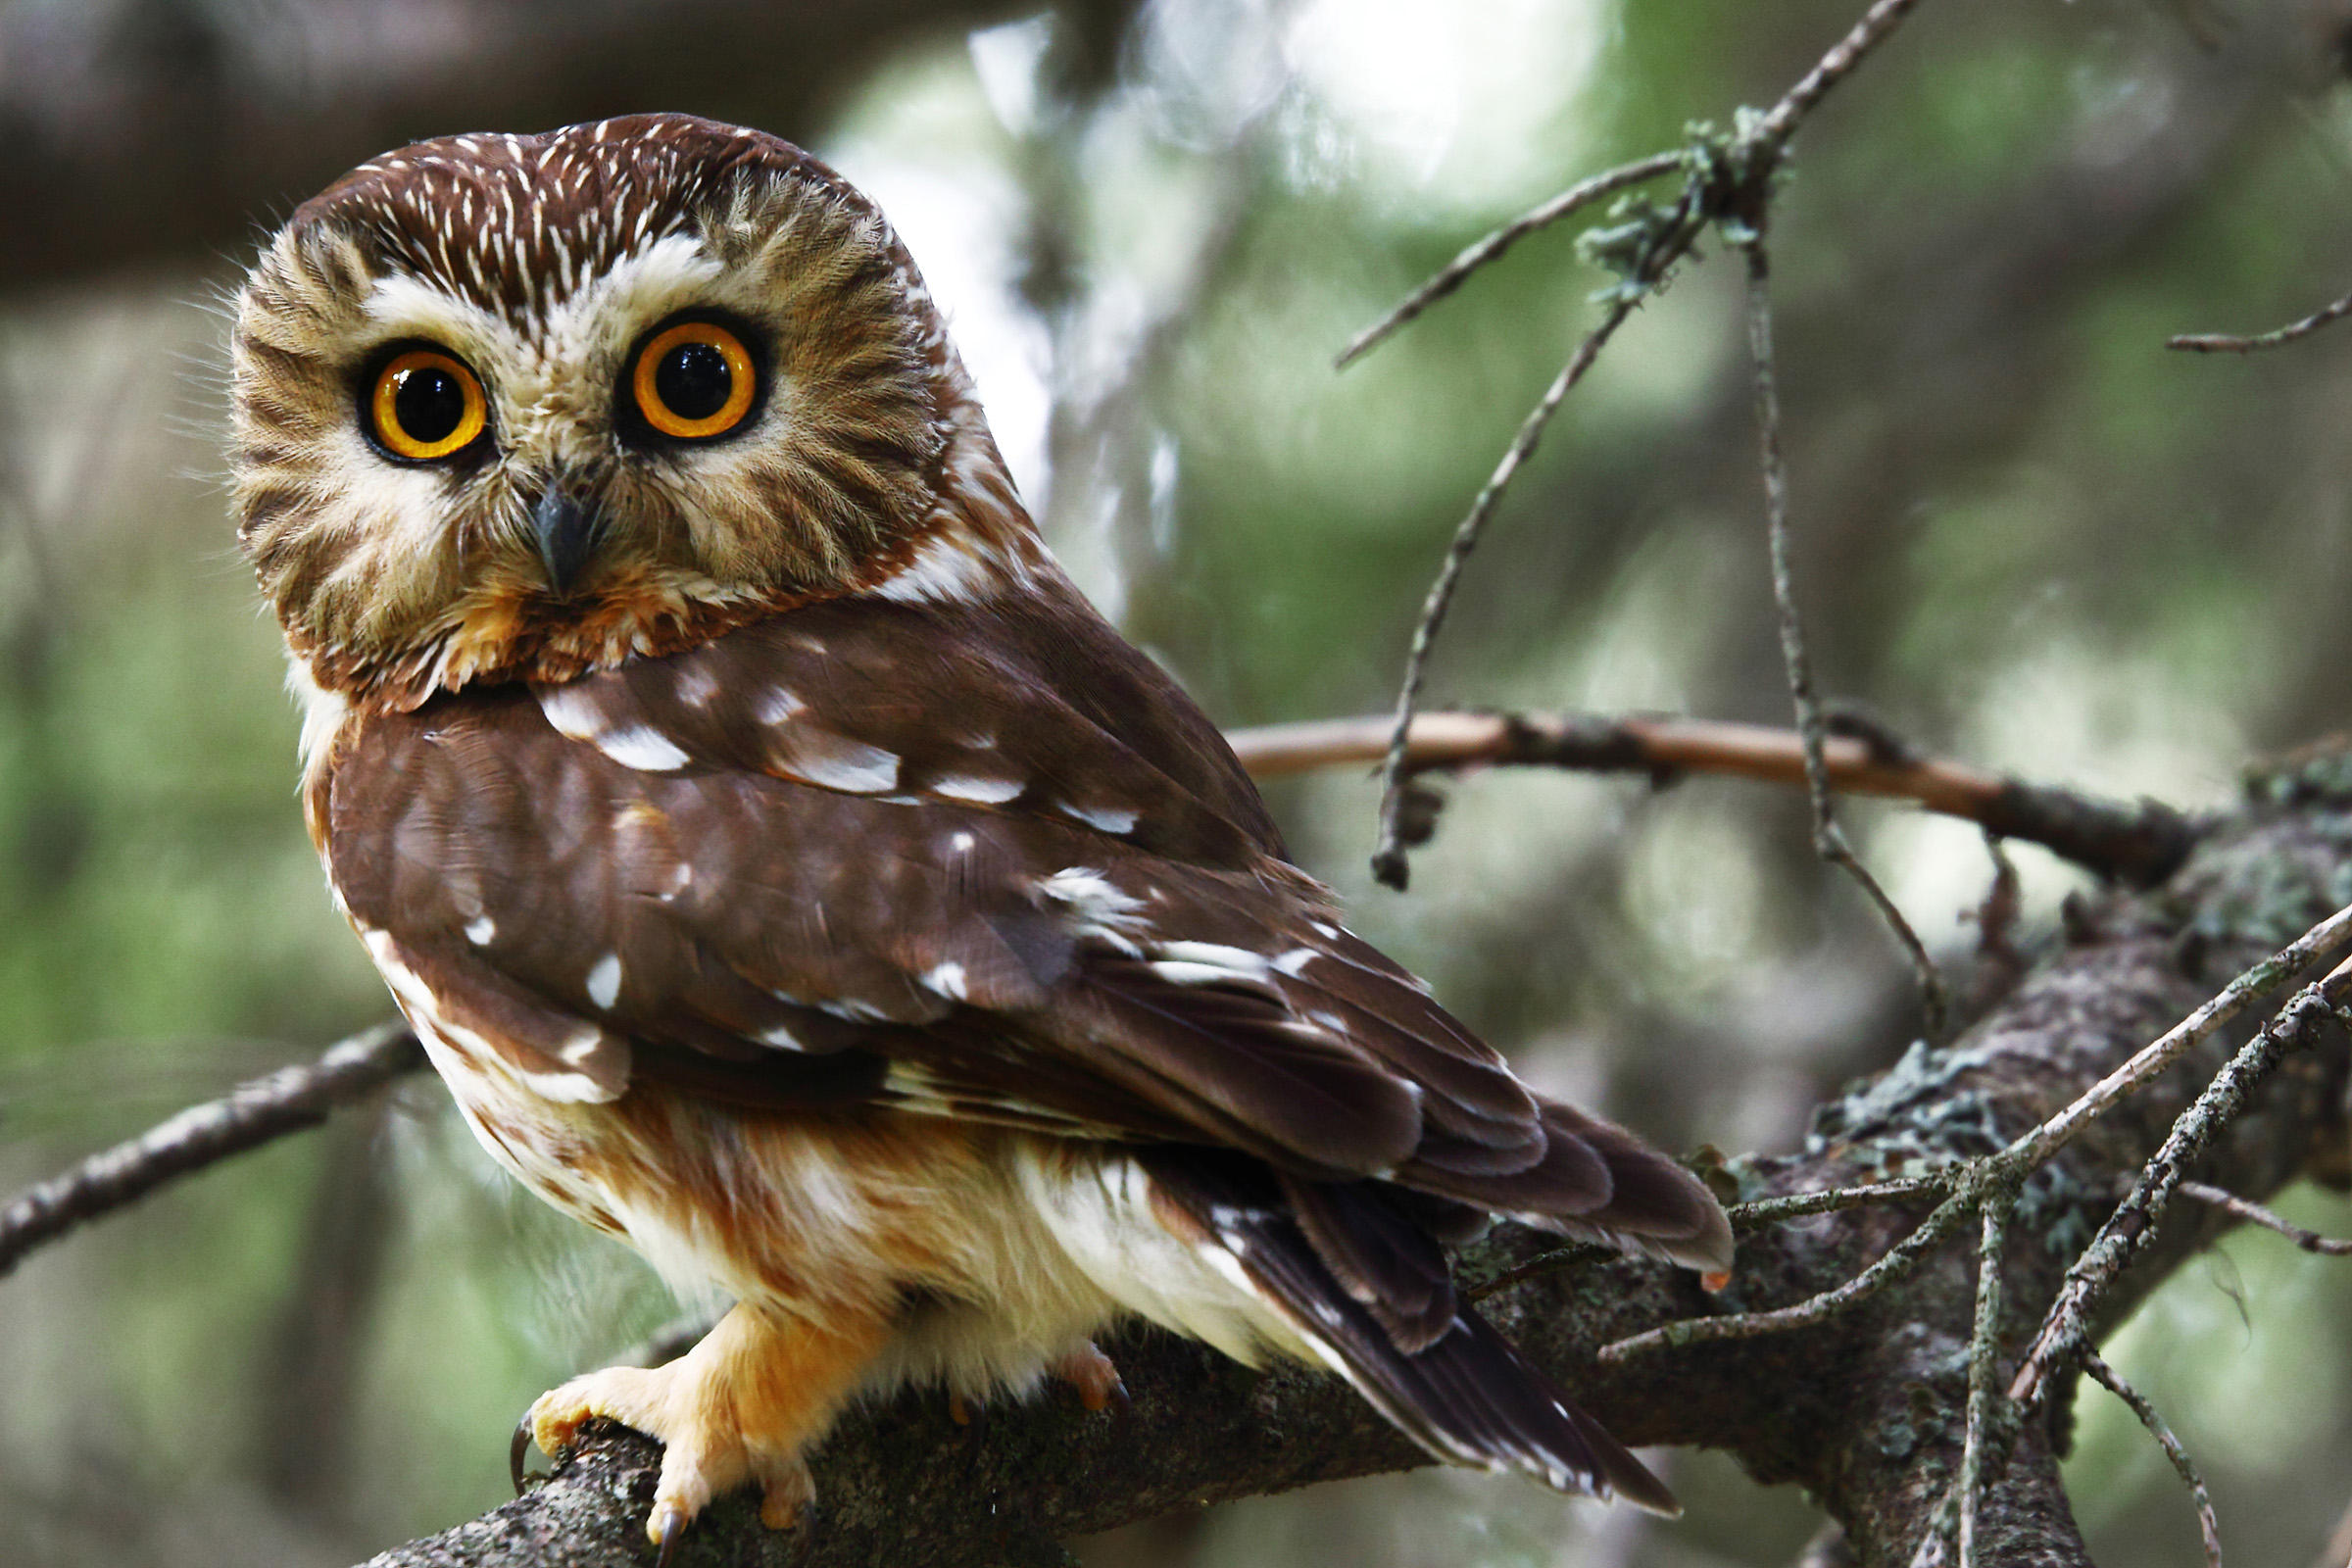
(525, 405)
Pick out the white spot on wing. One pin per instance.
(979, 791)
(776, 705)
(781, 1038)
(1101, 819)
(1295, 962)
(603, 980)
(1231, 964)
(481, 930)
(572, 711)
(643, 748)
(837, 762)
(948, 980)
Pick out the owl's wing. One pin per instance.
(975, 862)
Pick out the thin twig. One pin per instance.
(1583, 193)
(2113, 1382)
(2066, 1328)
(1829, 839)
(1737, 178)
(2255, 1214)
(1983, 1367)
(1779, 122)
(287, 1101)
(1388, 861)
(2141, 842)
(1973, 1185)
(2224, 343)
(1837, 1199)
(1899, 1261)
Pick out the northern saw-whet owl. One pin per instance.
(793, 877)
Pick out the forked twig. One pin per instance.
(1727, 180)
(2064, 1330)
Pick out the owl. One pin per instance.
(790, 874)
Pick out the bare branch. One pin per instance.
(1454, 273)
(1779, 122)
(2238, 1207)
(287, 1101)
(2141, 844)
(2132, 1226)
(2111, 1380)
(2222, 343)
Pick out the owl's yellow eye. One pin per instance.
(694, 380)
(425, 405)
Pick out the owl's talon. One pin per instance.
(518, 1451)
(1094, 1376)
(662, 1527)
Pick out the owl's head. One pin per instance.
(513, 407)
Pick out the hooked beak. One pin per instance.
(566, 526)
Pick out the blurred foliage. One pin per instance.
(2026, 535)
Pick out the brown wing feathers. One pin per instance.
(834, 863)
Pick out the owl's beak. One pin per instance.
(566, 526)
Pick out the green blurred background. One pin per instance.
(2026, 535)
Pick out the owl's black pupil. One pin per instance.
(429, 403)
(694, 380)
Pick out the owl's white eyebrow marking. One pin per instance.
(979, 791)
(1103, 819)
(603, 980)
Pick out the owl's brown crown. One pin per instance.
(535, 269)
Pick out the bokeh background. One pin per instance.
(2026, 536)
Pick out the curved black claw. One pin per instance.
(520, 1446)
(666, 1526)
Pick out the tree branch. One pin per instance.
(289, 1099)
(1864, 1409)
(2140, 844)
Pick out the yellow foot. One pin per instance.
(1091, 1372)
(740, 1407)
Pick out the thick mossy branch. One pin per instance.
(1867, 1411)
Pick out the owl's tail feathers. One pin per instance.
(1595, 1182)
(1463, 1392)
